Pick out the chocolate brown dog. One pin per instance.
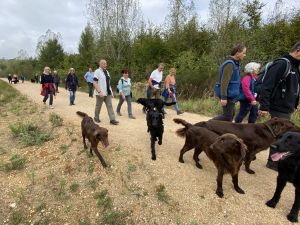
(94, 134)
(226, 151)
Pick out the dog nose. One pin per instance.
(274, 146)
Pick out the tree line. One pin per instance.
(117, 32)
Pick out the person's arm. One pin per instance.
(96, 85)
(85, 77)
(226, 77)
(246, 83)
(274, 73)
(167, 83)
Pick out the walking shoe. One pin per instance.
(179, 112)
(119, 114)
(132, 117)
(272, 165)
(114, 122)
(51, 106)
(97, 120)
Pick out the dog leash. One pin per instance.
(271, 130)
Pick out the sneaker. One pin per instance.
(51, 106)
(272, 165)
(114, 122)
(97, 120)
(119, 114)
(179, 112)
(132, 117)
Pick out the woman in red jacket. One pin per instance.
(247, 96)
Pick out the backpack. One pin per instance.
(258, 85)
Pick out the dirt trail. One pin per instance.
(191, 189)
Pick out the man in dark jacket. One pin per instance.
(281, 99)
(56, 80)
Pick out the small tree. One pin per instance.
(87, 47)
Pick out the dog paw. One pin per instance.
(292, 217)
(250, 171)
(220, 193)
(160, 142)
(239, 190)
(271, 203)
(153, 157)
(181, 160)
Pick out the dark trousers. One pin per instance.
(48, 93)
(121, 101)
(56, 86)
(91, 86)
(228, 111)
(245, 108)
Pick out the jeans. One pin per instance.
(48, 93)
(121, 101)
(72, 97)
(228, 111)
(245, 108)
(90, 85)
(108, 103)
(173, 97)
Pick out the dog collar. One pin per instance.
(271, 130)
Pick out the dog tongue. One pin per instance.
(277, 156)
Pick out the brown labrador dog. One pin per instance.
(226, 151)
(257, 137)
(94, 134)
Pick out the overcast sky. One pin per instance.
(22, 22)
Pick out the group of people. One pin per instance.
(279, 87)
(14, 78)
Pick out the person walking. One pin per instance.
(22, 78)
(247, 96)
(56, 80)
(9, 77)
(170, 89)
(89, 79)
(279, 95)
(124, 87)
(47, 87)
(228, 85)
(154, 82)
(103, 92)
(71, 85)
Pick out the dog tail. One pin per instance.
(82, 114)
(169, 103)
(182, 131)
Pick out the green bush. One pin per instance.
(56, 120)
(17, 162)
(29, 134)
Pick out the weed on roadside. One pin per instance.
(162, 194)
(114, 217)
(16, 217)
(74, 187)
(103, 199)
(63, 148)
(93, 184)
(56, 120)
(17, 162)
(2, 151)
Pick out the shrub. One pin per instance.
(56, 120)
(17, 162)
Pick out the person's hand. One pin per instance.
(100, 93)
(296, 110)
(123, 97)
(263, 113)
(223, 102)
(253, 102)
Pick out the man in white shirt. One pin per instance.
(103, 92)
(154, 82)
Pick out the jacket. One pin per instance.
(72, 82)
(285, 98)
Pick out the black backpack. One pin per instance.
(258, 85)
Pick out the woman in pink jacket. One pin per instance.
(247, 96)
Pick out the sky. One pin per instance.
(22, 22)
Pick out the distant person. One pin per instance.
(170, 89)
(47, 86)
(22, 78)
(9, 77)
(15, 79)
(72, 84)
(247, 96)
(89, 76)
(103, 92)
(36, 77)
(56, 80)
(281, 99)
(228, 84)
(154, 82)
(124, 87)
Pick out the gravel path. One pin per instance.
(191, 189)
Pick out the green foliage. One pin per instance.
(103, 200)
(56, 120)
(87, 47)
(74, 187)
(113, 217)
(29, 134)
(17, 162)
(162, 194)
(16, 217)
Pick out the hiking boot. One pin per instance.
(114, 122)
(97, 120)
(119, 114)
(272, 165)
(131, 117)
(179, 112)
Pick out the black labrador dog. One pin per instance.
(157, 104)
(286, 150)
(156, 128)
